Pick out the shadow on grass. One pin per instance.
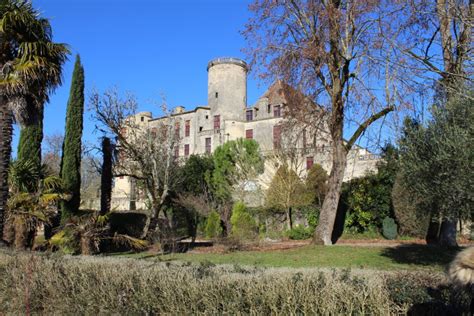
(425, 255)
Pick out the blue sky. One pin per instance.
(147, 47)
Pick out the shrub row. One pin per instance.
(40, 284)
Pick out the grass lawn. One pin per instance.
(407, 257)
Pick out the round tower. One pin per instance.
(227, 88)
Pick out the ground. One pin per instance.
(374, 254)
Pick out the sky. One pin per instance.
(147, 47)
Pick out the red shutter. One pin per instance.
(276, 136)
(187, 128)
(186, 150)
(249, 133)
(217, 121)
(309, 162)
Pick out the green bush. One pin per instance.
(299, 232)
(213, 227)
(243, 224)
(389, 228)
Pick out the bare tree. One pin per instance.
(333, 53)
(52, 153)
(286, 188)
(144, 154)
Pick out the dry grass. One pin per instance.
(40, 284)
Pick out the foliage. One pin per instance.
(287, 190)
(411, 218)
(435, 160)
(389, 228)
(236, 165)
(70, 170)
(31, 68)
(316, 183)
(368, 203)
(213, 227)
(33, 200)
(145, 155)
(96, 285)
(243, 224)
(29, 143)
(311, 214)
(299, 232)
(194, 174)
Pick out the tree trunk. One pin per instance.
(289, 220)
(6, 123)
(447, 233)
(327, 216)
(432, 235)
(106, 177)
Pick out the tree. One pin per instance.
(436, 160)
(106, 176)
(144, 154)
(34, 199)
(52, 153)
(440, 57)
(70, 171)
(31, 68)
(331, 51)
(286, 192)
(237, 164)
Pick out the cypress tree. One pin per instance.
(71, 156)
(106, 176)
(31, 135)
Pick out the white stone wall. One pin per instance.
(229, 81)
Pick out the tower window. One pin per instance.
(269, 108)
(186, 150)
(200, 128)
(249, 115)
(142, 119)
(217, 95)
(217, 121)
(249, 133)
(208, 145)
(277, 111)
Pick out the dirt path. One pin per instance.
(204, 246)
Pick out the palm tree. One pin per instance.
(30, 67)
(34, 198)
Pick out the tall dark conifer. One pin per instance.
(106, 176)
(71, 159)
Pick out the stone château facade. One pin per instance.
(228, 117)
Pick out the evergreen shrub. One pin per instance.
(243, 224)
(389, 228)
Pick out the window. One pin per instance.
(142, 119)
(187, 128)
(217, 95)
(176, 151)
(208, 145)
(200, 128)
(249, 133)
(269, 108)
(277, 111)
(309, 162)
(176, 129)
(249, 115)
(217, 121)
(186, 150)
(276, 136)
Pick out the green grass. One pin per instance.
(381, 258)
